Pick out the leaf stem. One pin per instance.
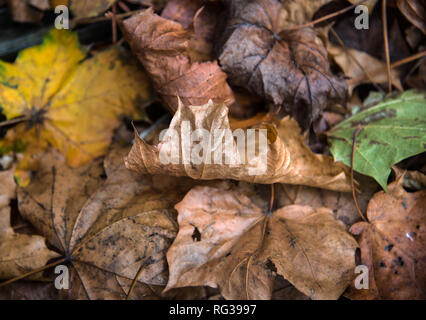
(14, 121)
(135, 279)
(22, 276)
(357, 131)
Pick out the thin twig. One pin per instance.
(326, 17)
(22, 276)
(114, 23)
(14, 121)
(105, 18)
(408, 59)
(357, 131)
(135, 279)
(123, 6)
(272, 199)
(385, 37)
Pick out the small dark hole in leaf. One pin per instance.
(196, 235)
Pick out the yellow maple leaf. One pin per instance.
(65, 101)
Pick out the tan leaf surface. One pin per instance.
(19, 253)
(356, 64)
(297, 12)
(225, 240)
(89, 8)
(162, 46)
(393, 245)
(288, 159)
(104, 229)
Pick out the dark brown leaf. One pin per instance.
(290, 68)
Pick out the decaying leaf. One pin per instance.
(391, 131)
(71, 104)
(162, 46)
(89, 8)
(361, 68)
(288, 68)
(298, 12)
(202, 18)
(105, 230)
(283, 158)
(29, 11)
(225, 240)
(370, 4)
(393, 245)
(414, 11)
(19, 253)
(341, 203)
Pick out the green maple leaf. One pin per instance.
(391, 131)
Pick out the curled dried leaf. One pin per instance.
(200, 144)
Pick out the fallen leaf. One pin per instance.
(225, 240)
(284, 159)
(392, 130)
(362, 68)
(105, 230)
(341, 203)
(29, 11)
(162, 46)
(19, 253)
(393, 245)
(89, 8)
(24, 290)
(202, 18)
(288, 68)
(71, 104)
(414, 11)
(298, 12)
(370, 4)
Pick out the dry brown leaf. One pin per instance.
(288, 68)
(393, 245)
(414, 11)
(356, 64)
(298, 12)
(202, 18)
(30, 11)
(105, 230)
(162, 46)
(89, 8)
(285, 159)
(225, 240)
(340, 203)
(19, 253)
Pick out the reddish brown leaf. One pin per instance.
(163, 48)
(393, 245)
